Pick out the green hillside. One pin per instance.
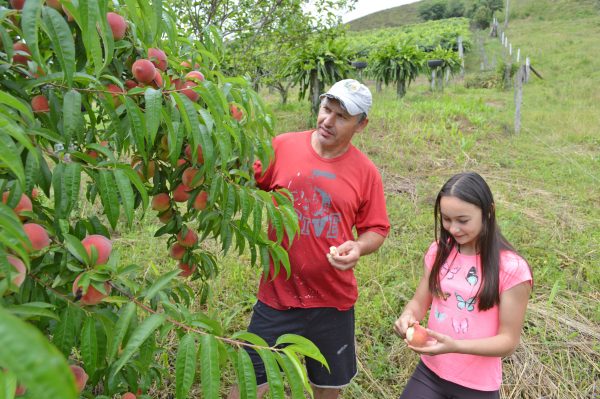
(397, 16)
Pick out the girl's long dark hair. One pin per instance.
(470, 187)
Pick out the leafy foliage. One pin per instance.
(396, 64)
(81, 126)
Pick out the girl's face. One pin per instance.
(463, 221)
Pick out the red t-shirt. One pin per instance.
(331, 197)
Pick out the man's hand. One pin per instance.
(347, 256)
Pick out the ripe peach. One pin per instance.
(143, 71)
(35, 193)
(186, 270)
(195, 76)
(199, 156)
(189, 178)
(24, 204)
(38, 236)
(189, 240)
(165, 216)
(17, 4)
(21, 390)
(128, 395)
(200, 201)
(118, 25)
(39, 103)
(158, 57)
(180, 162)
(236, 112)
(92, 296)
(19, 267)
(54, 4)
(177, 251)
(181, 193)
(157, 83)
(177, 83)
(20, 58)
(187, 90)
(102, 244)
(130, 84)
(161, 202)
(81, 377)
(144, 172)
(416, 335)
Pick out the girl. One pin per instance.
(476, 287)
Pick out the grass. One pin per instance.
(546, 181)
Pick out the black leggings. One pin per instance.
(425, 384)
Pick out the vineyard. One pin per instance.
(132, 233)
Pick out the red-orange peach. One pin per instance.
(189, 178)
(54, 4)
(38, 237)
(416, 335)
(102, 244)
(39, 103)
(92, 296)
(130, 84)
(143, 71)
(177, 251)
(186, 270)
(118, 25)
(200, 201)
(157, 83)
(165, 216)
(181, 193)
(21, 390)
(236, 112)
(19, 267)
(189, 92)
(158, 57)
(24, 204)
(161, 202)
(189, 239)
(128, 395)
(20, 58)
(194, 75)
(81, 377)
(199, 155)
(17, 4)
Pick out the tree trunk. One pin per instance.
(378, 86)
(315, 91)
(401, 88)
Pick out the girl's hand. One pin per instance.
(437, 344)
(402, 324)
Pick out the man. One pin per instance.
(336, 188)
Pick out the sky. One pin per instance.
(365, 7)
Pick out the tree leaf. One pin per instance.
(37, 364)
(30, 22)
(246, 375)
(62, 41)
(210, 371)
(8, 99)
(72, 116)
(126, 194)
(27, 310)
(153, 100)
(161, 283)
(294, 377)
(185, 365)
(9, 157)
(138, 126)
(120, 330)
(89, 345)
(302, 345)
(64, 332)
(108, 195)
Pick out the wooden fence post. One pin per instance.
(519, 97)
(527, 69)
(461, 55)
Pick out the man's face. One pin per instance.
(335, 127)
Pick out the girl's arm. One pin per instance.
(416, 309)
(513, 303)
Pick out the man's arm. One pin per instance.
(350, 252)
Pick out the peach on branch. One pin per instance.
(20, 47)
(186, 270)
(161, 202)
(236, 112)
(177, 251)
(118, 25)
(144, 172)
(189, 239)
(80, 375)
(39, 103)
(115, 92)
(158, 57)
(187, 90)
(200, 201)
(181, 193)
(191, 179)
(20, 390)
(17, 4)
(165, 216)
(19, 267)
(416, 335)
(158, 82)
(91, 296)
(54, 4)
(38, 237)
(128, 395)
(199, 154)
(177, 83)
(130, 84)
(143, 71)
(24, 204)
(194, 76)
(102, 245)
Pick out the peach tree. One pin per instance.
(107, 112)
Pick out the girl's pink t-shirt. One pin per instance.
(458, 316)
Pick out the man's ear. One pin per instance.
(362, 125)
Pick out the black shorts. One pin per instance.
(331, 330)
(425, 384)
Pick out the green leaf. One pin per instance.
(64, 332)
(137, 338)
(246, 375)
(89, 15)
(89, 345)
(138, 126)
(273, 374)
(153, 112)
(76, 248)
(66, 182)
(28, 311)
(37, 364)
(30, 22)
(108, 194)
(127, 195)
(121, 327)
(210, 371)
(302, 345)
(62, 41)
(185, 365)
(9, 157)
(72, 116)
(294, 377)
(8, 99)
(134, 178)
(161, 283)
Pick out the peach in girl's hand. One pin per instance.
(416, 335)
(333, 251)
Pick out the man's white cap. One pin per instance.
(354, 96)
